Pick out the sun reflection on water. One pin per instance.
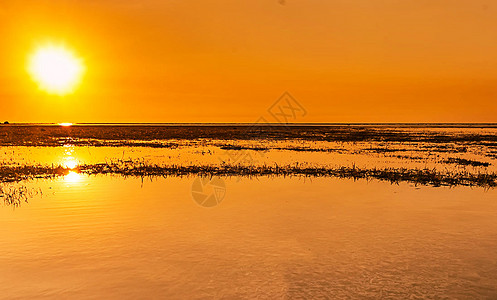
(73, 177)
(69, 161)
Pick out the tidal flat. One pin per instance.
(248, 211)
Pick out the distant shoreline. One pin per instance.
(421, 125)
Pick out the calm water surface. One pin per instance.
(110, 237)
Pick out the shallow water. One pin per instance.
(322, 146)
(105, 236)
(109, 237)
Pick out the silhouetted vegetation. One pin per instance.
(15, 195)
(140, 169)
(466, 162)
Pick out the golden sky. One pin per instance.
(229, 60)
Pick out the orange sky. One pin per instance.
(229, 60)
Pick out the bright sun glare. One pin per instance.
(56, 69)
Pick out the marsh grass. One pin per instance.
(20, 173)
(140, 168)
(14, 195)
(466, 162)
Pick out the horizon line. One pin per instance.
(259, 124)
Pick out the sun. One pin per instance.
(56, 69)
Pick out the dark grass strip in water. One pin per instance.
(394, 175)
